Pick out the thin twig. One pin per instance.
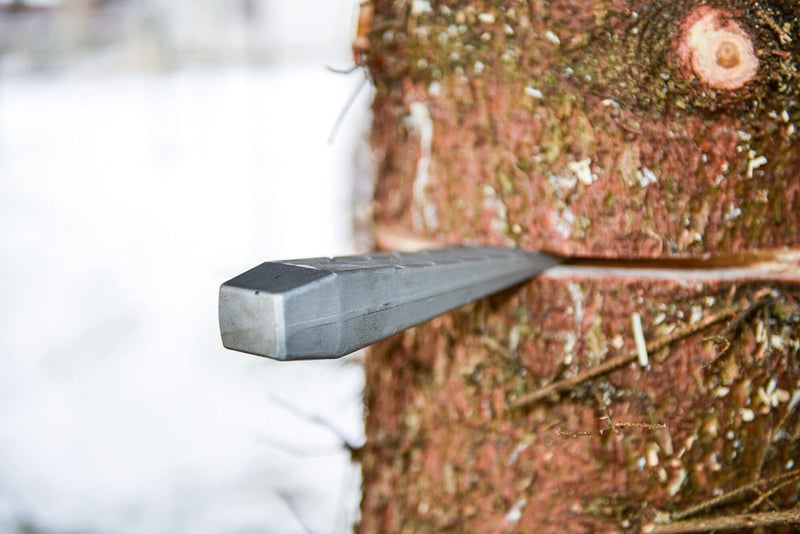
(352, 448)
(771, 491)
(730, 495)
(347, 106)
(613, 426)
(759, 297)
(624, 359)
(720, 340)
(766, 519)
(790, 407)
(763, 453)
(291, 503)
(610, 423)
(648, 426)
(757, 300)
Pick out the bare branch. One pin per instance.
(767, 519)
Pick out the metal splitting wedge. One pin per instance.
(328, 307)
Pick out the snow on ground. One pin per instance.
(124, 203)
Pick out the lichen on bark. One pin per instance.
(713, 412)
(586, 128)
(586, 108)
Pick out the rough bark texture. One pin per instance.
(604, 129)
(447, 450)
(580, 127)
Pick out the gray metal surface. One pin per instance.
(329, 307)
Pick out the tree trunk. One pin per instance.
(656, 144)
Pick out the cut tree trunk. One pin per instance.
(657, 144)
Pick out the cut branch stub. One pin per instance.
(590, 127)
(621, 129)
(716, 49)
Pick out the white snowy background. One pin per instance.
(137, 173)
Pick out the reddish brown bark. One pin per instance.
(584, 127)
(446, 448)
(602, 128)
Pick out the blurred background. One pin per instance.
(149, 151)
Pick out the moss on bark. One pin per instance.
(593, 137)
(585, 127)
(714, 411)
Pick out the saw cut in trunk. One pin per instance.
(652, 383)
